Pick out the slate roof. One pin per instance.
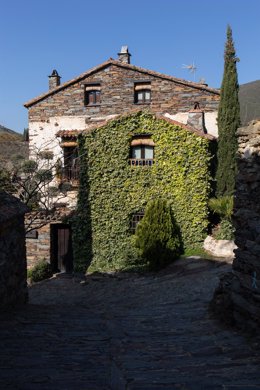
(122, 65)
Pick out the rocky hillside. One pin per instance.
(9, 135)
(11, 146)
(249, 96)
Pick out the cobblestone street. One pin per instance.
(148, 332)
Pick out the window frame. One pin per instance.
(143, 151)
(143, 100)
(142, 87)
(135, 219)
(96, 93)
(142, 141)
(70, 170)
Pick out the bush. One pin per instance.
(223, 207)
(40, 271)
(158, 236)
(224, 231)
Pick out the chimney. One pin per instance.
(124, 55)
(54, 79)
(196, 118)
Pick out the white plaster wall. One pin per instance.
(43, 134)
(210, 120)
(211, 123)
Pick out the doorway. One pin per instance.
(61, 248)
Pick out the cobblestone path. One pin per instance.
(123, 332)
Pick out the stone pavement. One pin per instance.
(146, 332)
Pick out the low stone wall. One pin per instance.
(237, 299)
(13, 276)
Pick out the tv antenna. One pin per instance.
(191, 68)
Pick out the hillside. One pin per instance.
(249, 97)
(11, 146)
(9, 135)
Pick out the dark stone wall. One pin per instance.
(117, 96)
(13, 273)
(237, 299)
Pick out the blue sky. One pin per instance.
(71, 36)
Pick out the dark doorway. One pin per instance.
(61, 248)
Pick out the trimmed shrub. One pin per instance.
(40, 271)
(158, 236)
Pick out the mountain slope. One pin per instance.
(9, 135)
(11, 146)
(249, 97)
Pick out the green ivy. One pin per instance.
(111, 190)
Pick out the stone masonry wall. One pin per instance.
(117, 97)
(38, 248)
(13, 285)
(237, 298)
(38, 245)
(66, 110)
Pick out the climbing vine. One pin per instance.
(111, 190)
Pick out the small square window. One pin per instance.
(143, 96)
(142, 92)
(136, 218)
(92, 97)
(142, 152)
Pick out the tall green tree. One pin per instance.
(228, 121)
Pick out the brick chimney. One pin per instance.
(196, 118)
(54, 79)
(124, 55)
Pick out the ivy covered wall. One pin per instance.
(111, 190)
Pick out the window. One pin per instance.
(142, 155)
(142, 93)
(92, 98)
(136, 218)
(142, 152)
(71, 163)
(92, 95)
(143, 96)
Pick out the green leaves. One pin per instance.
(222, 206)
(111, 190)
(158, 236)
(228, 122)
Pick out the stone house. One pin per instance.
(104, 92)
(13, 273)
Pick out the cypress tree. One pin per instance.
(228, 121)
(158, 236)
